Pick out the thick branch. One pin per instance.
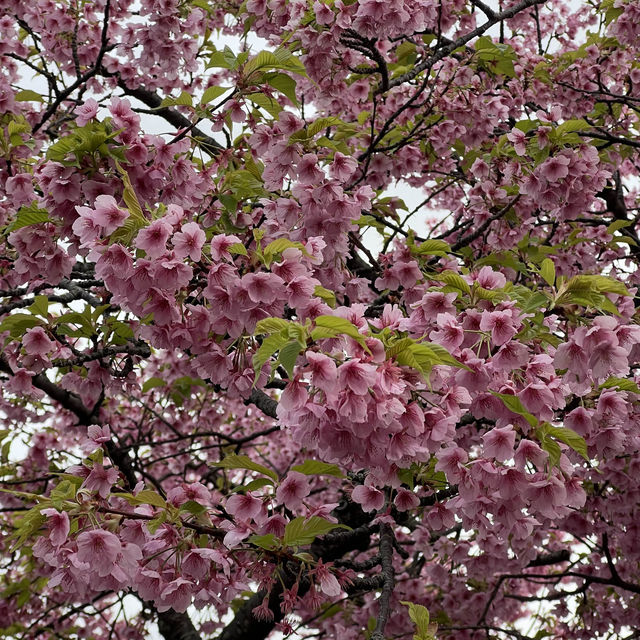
(173, 117)
(388, 580)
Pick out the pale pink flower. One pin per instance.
(307, 169)
(293, 489)
(501, 325)
(176, 595)
(189, 241)
(324, 373)
(555, 168)
(101, 480)
(450, 334)
(108, 215)
(264, 287)
(369, 498)
(499, 443)
(99, 549)
(608, 358)
(342, 167)
(530, 451)
(36, 342)
(153, 239)
(58, 524)
(86, 112)
(328, 583)
(357, 376)
(487, 278)
(519, 140)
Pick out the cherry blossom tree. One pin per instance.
(249, 388)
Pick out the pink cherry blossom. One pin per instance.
(36, 342)
(99, 549)
(86, 112)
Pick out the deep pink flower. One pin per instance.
(244, 506)
(405, 500)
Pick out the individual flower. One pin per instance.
(86, 112)
(499, 443)
(58, 525)
(99, 549)
(293, 489)
(36, 342)
(153, 239)
(369, 498)
(189, 241)
(101, 480)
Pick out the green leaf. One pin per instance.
(289, 354)
(228, 202)
(281, 58)
(454, 280)
(548, 271)
(129, 196)
(616, 225)
(238, 249)
(27, 95)
(514, 405)
(432, 248)
(212, 93)
(333, 326)
(268, 541)
(146, 496)
(29, 215)
(318, 468)
(419, 615)
(570, 438)
(234, 461)
(40, 306)
(301, 531)
(316, 127)
(254, 485)
(270, 105)
(224, 59)
(623, 384)
(271, 325)
(285, 84)
(278, 246)
(552, 448)
(422, 356)
(152, 383)
(324, 294)
(17, 323)
(269, 346)
(185, 99)
(193, 507)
